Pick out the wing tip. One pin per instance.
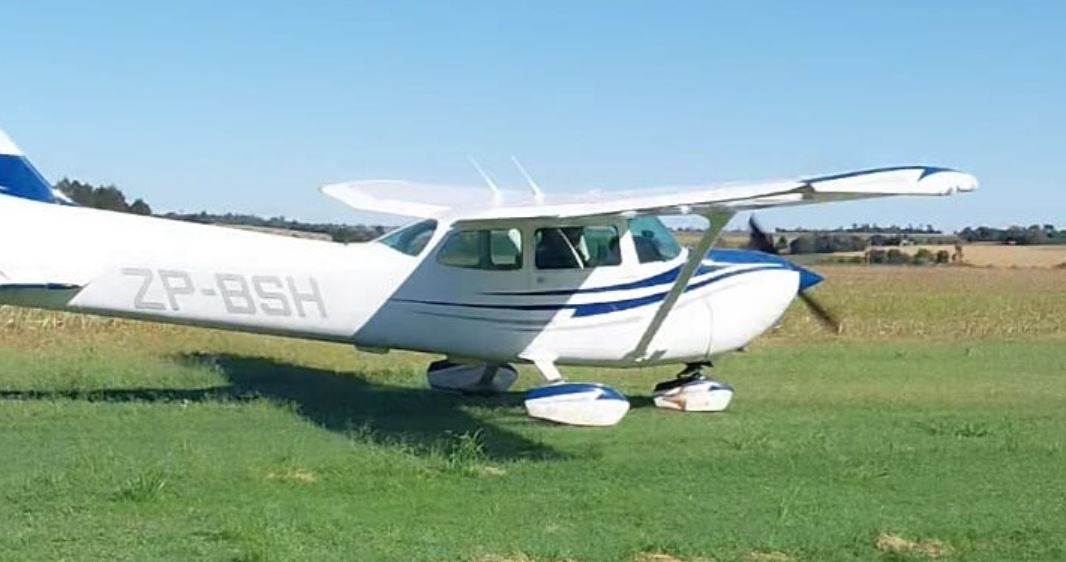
(931, 180)
(949, 182)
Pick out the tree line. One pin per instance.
(106, 197)
(867, 228)
(827, 242)
(1036, 234)
(111, 198)
(336, 232)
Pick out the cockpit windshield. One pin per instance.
(411, 239)
(654, 242)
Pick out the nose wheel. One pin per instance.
(692, 391)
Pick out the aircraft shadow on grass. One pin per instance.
(419, 420)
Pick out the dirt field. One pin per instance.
(979, 255)
(935, 302)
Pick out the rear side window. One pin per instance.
(483, 249)
(577, 247)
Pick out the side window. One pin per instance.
(653, 241)
(483, 249)
(577, 247)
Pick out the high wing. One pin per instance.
(717, 203)
(472, 204)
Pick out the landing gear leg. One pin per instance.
(692, 391)
(574, 403)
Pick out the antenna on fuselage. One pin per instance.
(488, 180)
(537, 193)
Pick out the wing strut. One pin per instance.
(716, 223)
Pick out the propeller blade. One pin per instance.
(827, 319)
(763, 242)
(759, 240)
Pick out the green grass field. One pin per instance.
(925, 432)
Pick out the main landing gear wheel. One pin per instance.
(691, 391)
(574, 403)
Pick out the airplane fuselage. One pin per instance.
(374, 296)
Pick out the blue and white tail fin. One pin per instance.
(19, 178)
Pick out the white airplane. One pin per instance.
(485, 279)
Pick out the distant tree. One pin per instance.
(78, 192)
(885, 240)
(876, 256)
(943, 257)
(1015, 235)
(139, 207)
(896, 257)
(841, 243)
(923, 257)
(983, 234)
(1035, 236)
(803, 244)
(111, 198)
(337, 232)
(822, 243)
(106, 197)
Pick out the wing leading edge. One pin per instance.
(471, 204)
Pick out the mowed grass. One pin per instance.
(129, 441)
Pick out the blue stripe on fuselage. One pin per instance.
(593, 309)
(664, 278)
(719, 256)
(597, 308)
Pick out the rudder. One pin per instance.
(19, 178)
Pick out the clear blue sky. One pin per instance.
(211, 105)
